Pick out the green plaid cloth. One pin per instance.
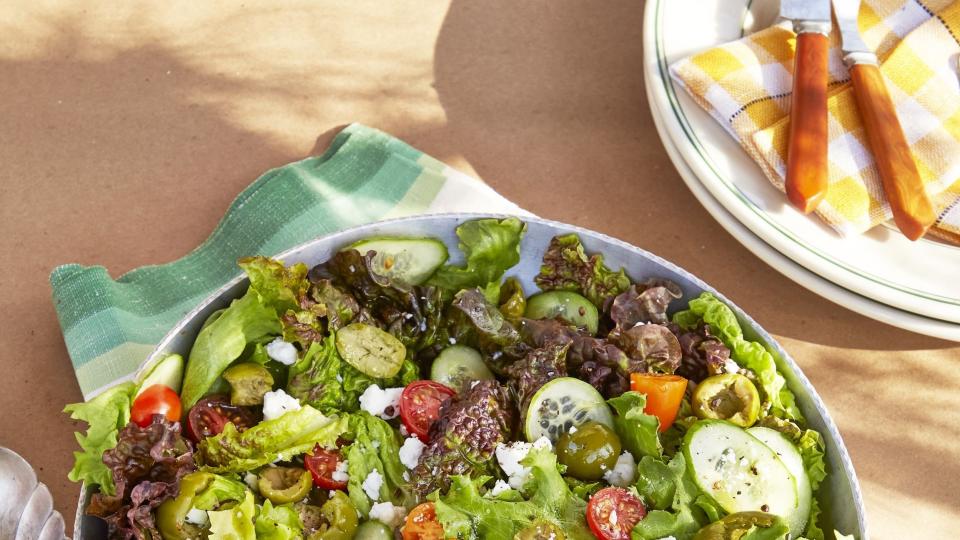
(110, 326)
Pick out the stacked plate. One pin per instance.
(911, 285)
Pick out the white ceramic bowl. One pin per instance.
(840, 495)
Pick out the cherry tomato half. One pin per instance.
(422, 524)
(322, 463)
(420, 406)
(156, 399)
(613, 512)
(209, 416)
(664, 394)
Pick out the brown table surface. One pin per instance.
(126, 129)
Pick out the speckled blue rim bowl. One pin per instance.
(840, 495)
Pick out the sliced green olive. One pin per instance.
(172, 514)
(340, 516)
(590, 451)
(248, 383)
(371, 350)
(541, 530)
(373, 530)
(284, 484)
(761, 525)
(731, 397)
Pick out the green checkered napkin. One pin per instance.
(110, 326)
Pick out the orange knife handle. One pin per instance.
(902, 185)
(806, 181)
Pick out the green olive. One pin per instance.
(284, 484)
(591, 450)
(731, 397)
(341, 518)
(172, 514)
(248, 383)
(541, 530)
(373, 530)
(736, 525)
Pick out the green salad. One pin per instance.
(387, 393)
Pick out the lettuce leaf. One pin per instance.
(279, 286)
(490, 247)
(374, 447)
(812, 448)
(637, 430)
(235, 523)
(248, 319)
(220, 490)
(466, 514)
(750, 354)
(277, 522)
(105, 415)
(292, 434)
(566, 267)
(675, 505)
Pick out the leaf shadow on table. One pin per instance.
(551, 94)
(96, 143)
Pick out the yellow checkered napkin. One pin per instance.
(746, 86)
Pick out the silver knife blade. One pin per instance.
(847, 12)
(805, 10)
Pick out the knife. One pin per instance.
(912, 211)
(806, 181)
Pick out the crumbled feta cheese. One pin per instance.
(339, 378)
(668, 538)
(282, 352)
(376, 445)
(381, 402)
(251, 480)
(573, 429)
(371, 485)
(499, 488)
(403, 430)
(543, 443)
(278, 403)
(340, 473)
(406, 476)
(197, 516)
(510, 455)
(387, 513)
(730, 366)
(623, 473)
(453, 341)
(410, 452)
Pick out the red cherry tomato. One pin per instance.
(208, 417)
(156, 399)
(420, 406)
(607, 525)
(322, 463)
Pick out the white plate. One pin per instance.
(813, 282)
(882, 265)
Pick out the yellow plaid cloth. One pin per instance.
(746, 86)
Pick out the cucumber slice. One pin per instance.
(457, 365)
(790, 456)
(168, 371)
(741, 473)
(561, 404)
(371, 350)
(567, 305)
(405, 260)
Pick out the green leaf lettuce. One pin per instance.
(106, 415)
(490, 247)
(292, 434)
(638, 431)
(374, 447)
